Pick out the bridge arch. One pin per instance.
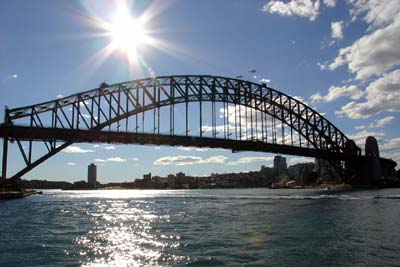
(92, 112)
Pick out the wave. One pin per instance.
(387, 197)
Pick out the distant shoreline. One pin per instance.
(16, 195)
(323, 187)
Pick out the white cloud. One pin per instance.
(376, 54)
(188, 160)
(382, 95)
(71, 163)
(238, 114)
(335, 92)
(381, 122)
(297, 160)
(322, 66)
(14, 76)
(330, 3)
(109, 147)
(82, 104)
(77, 149)
(301, 99)
(216, 159)
(190, 148)
(337, 30)
(303, 8)
(360, 137)
(244, 136)
(113, 159)
(247, 160)
(391, 144)
(134, 159)
(372, 54)
(266, 81)
(219, 128)
(378, 13)
(241, 121)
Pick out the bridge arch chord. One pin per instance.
(106, 107)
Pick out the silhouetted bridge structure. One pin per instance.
(184, 110)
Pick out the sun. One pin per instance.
(127, 33)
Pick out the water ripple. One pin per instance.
(255, 227)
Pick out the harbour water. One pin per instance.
(231, 227)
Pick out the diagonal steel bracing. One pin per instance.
(240, 111)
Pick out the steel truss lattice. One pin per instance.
(105, 114)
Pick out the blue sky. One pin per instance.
(341, 57)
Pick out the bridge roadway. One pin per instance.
(25, 133)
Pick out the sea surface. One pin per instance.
(230, 227)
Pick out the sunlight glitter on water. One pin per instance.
(124, 236)
(118, 194)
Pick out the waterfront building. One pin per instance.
(267, 172)
(171, 181)
(181, 180)
(180, 176)
(92, 174)
(280, 166)
(326, 171)
(147, 177)
(300, 170)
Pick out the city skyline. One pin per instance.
(302, 43)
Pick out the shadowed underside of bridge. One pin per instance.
(198, 110)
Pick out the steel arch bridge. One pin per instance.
(185, 110)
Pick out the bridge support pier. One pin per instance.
(357, 173)
(4, 165)
(5, 152)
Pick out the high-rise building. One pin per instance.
(181, 180)
(280, 166)
(147, 177)
(92, 174)
(326, 171)
(300, 170)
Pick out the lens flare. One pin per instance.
(127, 33)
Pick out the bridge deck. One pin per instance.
(24, 133)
